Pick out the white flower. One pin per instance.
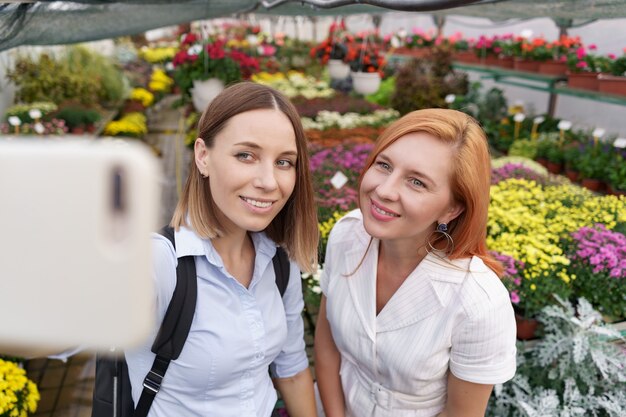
(564, 125)
(519, 117)
(39, 128)
(15, 121)
(34, 114)
(538, 120)
(450, 98)
(598, 132)
(195, 50)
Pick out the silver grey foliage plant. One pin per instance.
(577, 369)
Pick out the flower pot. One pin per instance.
(526, 65)
(203, 92)
(614, 191)
(468, 57)
(553, 67)
(583, 80)
(526, 328)
(78, 130)
(506, 62)
(490, 61)
(612, 84)
(554, 167)
(365, 82)
(337, 69)
(593, 184)
(572, 175)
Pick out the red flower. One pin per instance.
(190, 39)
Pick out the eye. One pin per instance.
(383, 165)
(244, 156)
(416, 183)
(285, 163)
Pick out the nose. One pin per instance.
(265, 177)
(387, 189)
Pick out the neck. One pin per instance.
(232, 245)
(400, 256)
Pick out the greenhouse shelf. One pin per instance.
(552, 84)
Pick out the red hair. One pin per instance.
(470, 180)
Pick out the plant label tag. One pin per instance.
(620, 143)
(339, 180)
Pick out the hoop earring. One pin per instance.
(442, 230)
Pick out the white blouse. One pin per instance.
(447, 316)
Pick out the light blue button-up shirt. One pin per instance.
(236, 334)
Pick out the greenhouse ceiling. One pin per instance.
(58, 22)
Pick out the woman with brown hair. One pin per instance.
(249, 190)
(414, 320)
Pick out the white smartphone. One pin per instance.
(75, 259)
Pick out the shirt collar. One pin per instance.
(188, 243)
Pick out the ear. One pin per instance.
(454, 211)
(201, 155)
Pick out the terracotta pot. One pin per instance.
(412, 52)
(614, 191)
(468, 57)
(553, 68)
(612, 84)
(506, 62)
(526, 328)
(91, 128)
(583, 80)
(78, 130)
(593, 184)
(554, 167)
(526, 65)
(572, 175)
(490, 61)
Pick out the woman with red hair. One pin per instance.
(414, 320)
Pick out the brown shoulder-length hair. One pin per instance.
(470, 179)
(295, 227)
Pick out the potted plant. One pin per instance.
(529, 295)
(208, 67)
(616, 175)
(596, 253)
(583, 69)
(592, 165)
(615, 82)
(571, 155)
(366, 63)
(556, 62)
(332, 52)
(576, 369)
(18, 394)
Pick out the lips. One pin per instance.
(256, 202)
(382, 213)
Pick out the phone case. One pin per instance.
(75, 258)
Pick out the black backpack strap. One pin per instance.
(281, 269)
(174, 329)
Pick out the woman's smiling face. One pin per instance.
(251, 168)
(406, 192)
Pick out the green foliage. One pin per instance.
(618, 66)
(573, 371)
(79, 75)
(424, 84)
(383, 96)
(524, 147)
(593, 162)
(22, 110)
(100, 70)
(78, 116)
(617, 172)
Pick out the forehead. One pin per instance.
(265, 126)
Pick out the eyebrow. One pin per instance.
(413, 171)
(256, 146)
